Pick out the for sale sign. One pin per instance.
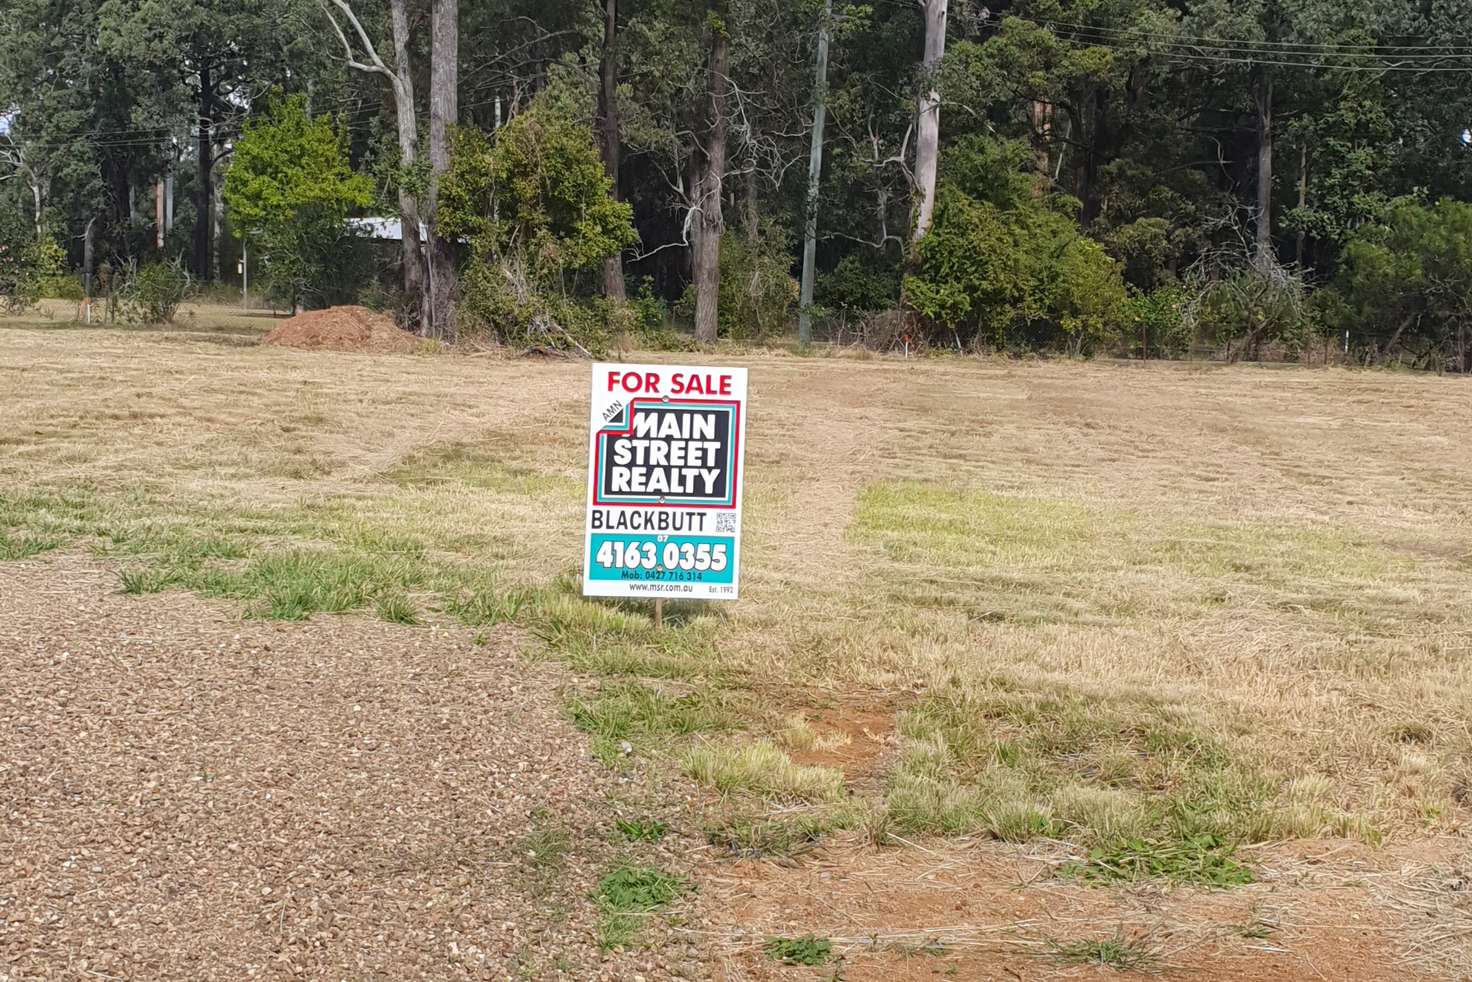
(664, 482)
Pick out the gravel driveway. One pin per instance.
(192, 796)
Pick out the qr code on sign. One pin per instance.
(725, 523)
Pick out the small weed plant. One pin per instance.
(642, 829)
(806, 950)
(628, 895)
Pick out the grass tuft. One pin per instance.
(136, 582)
(396, 610)
(547, 844)
(750, 836)
(993, 757)
(1118, 952)
(487, 606)
(761, 768)
(26, 546)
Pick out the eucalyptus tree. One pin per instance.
(351, 26)
(927, 115)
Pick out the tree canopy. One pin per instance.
(1152, 145)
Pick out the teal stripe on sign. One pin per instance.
(597, 571)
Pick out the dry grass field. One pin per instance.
(1040, 669)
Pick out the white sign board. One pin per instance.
(664, 482)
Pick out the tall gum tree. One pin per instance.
(361, 54)
(444, 113)
(709, 223)
(927, 120)
(815, 175)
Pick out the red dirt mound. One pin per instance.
(341, 329)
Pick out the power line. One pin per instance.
(1264, 44)
(1185, 52)
(1305, 58)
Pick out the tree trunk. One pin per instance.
(204, 200)
(89, 249)
(815, 173)
(1264, 97)
(1042, 135)
(1302, 201)
(217, 235)
(709, 221)
(38, 199)
(444, 84)
(927, 122)
(1101, 145)
(751, 205)
(402, 81)
(613, 266)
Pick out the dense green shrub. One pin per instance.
(1005, 265)
(1145, 251)
(651, 313)
(27, 264)
(651, 328)
(536, 206)
(758, 293)
(316, 265)
(1159, 320)
(154, 293)
(1404, 288)
(61, 286)
(859, 284)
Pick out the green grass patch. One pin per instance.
(630, 712)
(25, 546)
(547, 844)
(607, 639)
(396, 610)
(806, 950)
(294, 584)
(1028, 560)
(485, 604)
(933, 524)
(137, 582)
(1202, 859)
(60, 515)
(479, 468)
(628, 896)
(1020, 764)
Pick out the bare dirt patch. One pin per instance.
(853, 738)
(986, 910)
(348, 328)
(191, 796)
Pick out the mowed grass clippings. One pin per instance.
(1135, 605)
